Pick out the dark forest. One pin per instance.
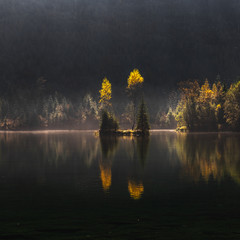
(61, 50)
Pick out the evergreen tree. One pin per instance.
(142, 120)
(108, 122)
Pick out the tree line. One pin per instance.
(194, 107)
(37, 107)
(208, 108)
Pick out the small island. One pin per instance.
(109, 124)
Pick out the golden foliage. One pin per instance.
(105, 92)
(218, 107)
(135, 79)
(206, 94)
(232, 106)
(200, 106)
(189, 89)
(218, 92)
(135, 189)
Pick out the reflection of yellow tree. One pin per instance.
(106, 176)
(199, 158)
(137, 149)
(109, 147)
(205, 156)
(135, 189)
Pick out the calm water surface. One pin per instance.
(75, 185)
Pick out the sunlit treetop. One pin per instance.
(106, 92)
(135, 79)
(206, 94)
(218, 92)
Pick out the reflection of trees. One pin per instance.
(204, 156)
(135, 189)
(36, 153)
(106, 176)
(109, 146)
(137, 151)
(59, 148)
(232, 157)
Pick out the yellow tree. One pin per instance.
(206, 108)
(105, 92)
(186, 112)
(206, 94)
(135, 81)
(219, 99)
(232, 106)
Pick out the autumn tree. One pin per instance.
(186, 111)
(201, 107)
(232, 106)
(109, 122)
(105, 93)
(135, 81)
(170, 120)
(219, 94)
(206, 108)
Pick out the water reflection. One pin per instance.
(108, 146)
(135, 189)
(87, 162)
(135, 150)
(142, 147)
(209, 156)
(137, 156)
(37, 155)
(48, 181)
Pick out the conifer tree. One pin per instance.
(108, 122)
(142, 120)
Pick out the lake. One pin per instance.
(75, 185)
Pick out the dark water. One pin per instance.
(74, 185)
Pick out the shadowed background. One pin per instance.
(75, 43)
